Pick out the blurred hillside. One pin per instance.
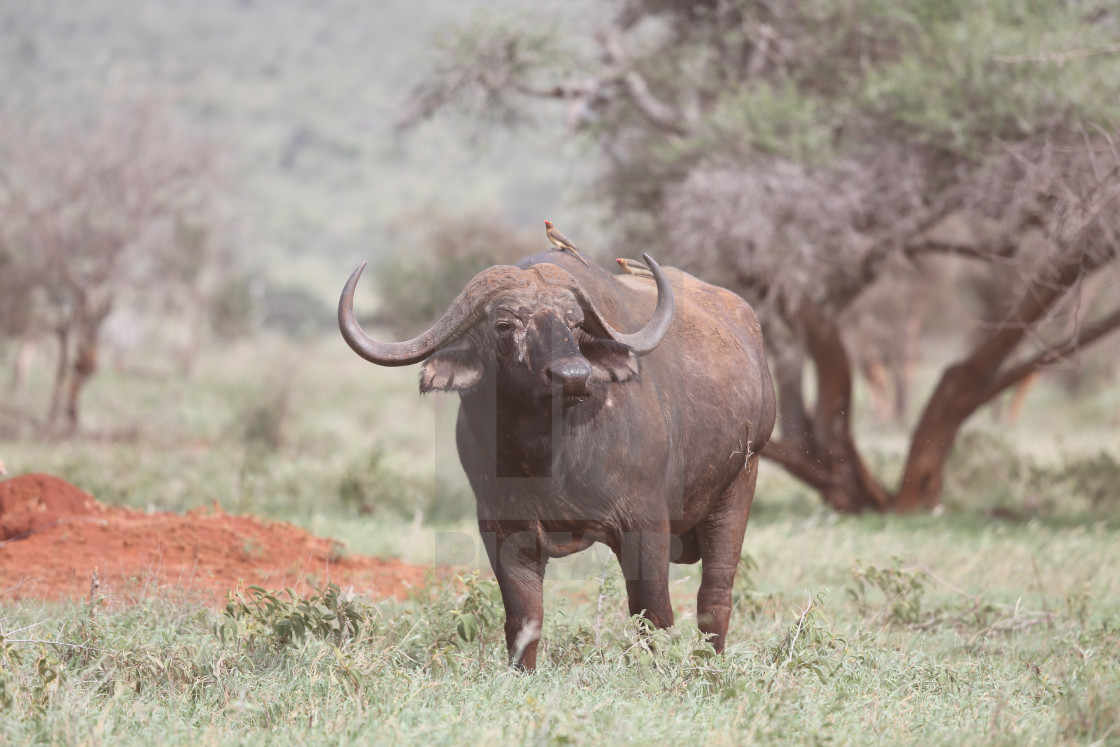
(301, 98)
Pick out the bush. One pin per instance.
(370, 486)
(297, 312)
(1080, 485)
(234, 307)
(986, 474)
(286, 619)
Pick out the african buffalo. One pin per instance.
(572, 432)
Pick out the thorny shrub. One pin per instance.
(39, 688)
(371, 486)
(986, 473)
(809, 643)
(901, 589)
(286, 619)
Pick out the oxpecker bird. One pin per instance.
(562, 242)
(634, 267)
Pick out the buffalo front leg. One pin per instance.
(721, 543)
(519, 566)
(644, 557)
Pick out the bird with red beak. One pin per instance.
(562, 242)
(634, 267)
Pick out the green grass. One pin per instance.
(951, 629)
(1009, 636)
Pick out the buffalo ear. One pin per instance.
(455, 369)
(610, 360)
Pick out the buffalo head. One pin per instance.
(535, 332)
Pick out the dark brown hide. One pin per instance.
(569, 439)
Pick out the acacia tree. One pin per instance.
(808, 153)
(95, 212)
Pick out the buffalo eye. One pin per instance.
(503, 327)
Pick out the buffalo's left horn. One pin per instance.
(650, 336)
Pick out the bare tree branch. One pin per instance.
(847, 288)
(799, 464)
(657, 112)
(1087, 336)
(1002, 248)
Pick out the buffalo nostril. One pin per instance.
(572, 374)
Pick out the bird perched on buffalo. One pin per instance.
(634, 267)
(562, 242)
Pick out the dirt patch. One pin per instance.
(53, 536)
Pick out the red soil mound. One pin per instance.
(53, 536)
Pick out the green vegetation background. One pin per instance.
(301, 98)
(994, 622)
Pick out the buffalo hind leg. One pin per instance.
(518, 565)
(644, 557)
(721, 543)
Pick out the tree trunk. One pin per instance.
(25, 358)
(196, 321)
(821, 449)
(957, 396)
(62, 332)
(1019, 397)
(84, 367)
(851, 487)
(85, 364)
(973, 382)
(794, 422)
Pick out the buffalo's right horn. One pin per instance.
(465, 310)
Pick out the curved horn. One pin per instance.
(465, 310)
(648, 337)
